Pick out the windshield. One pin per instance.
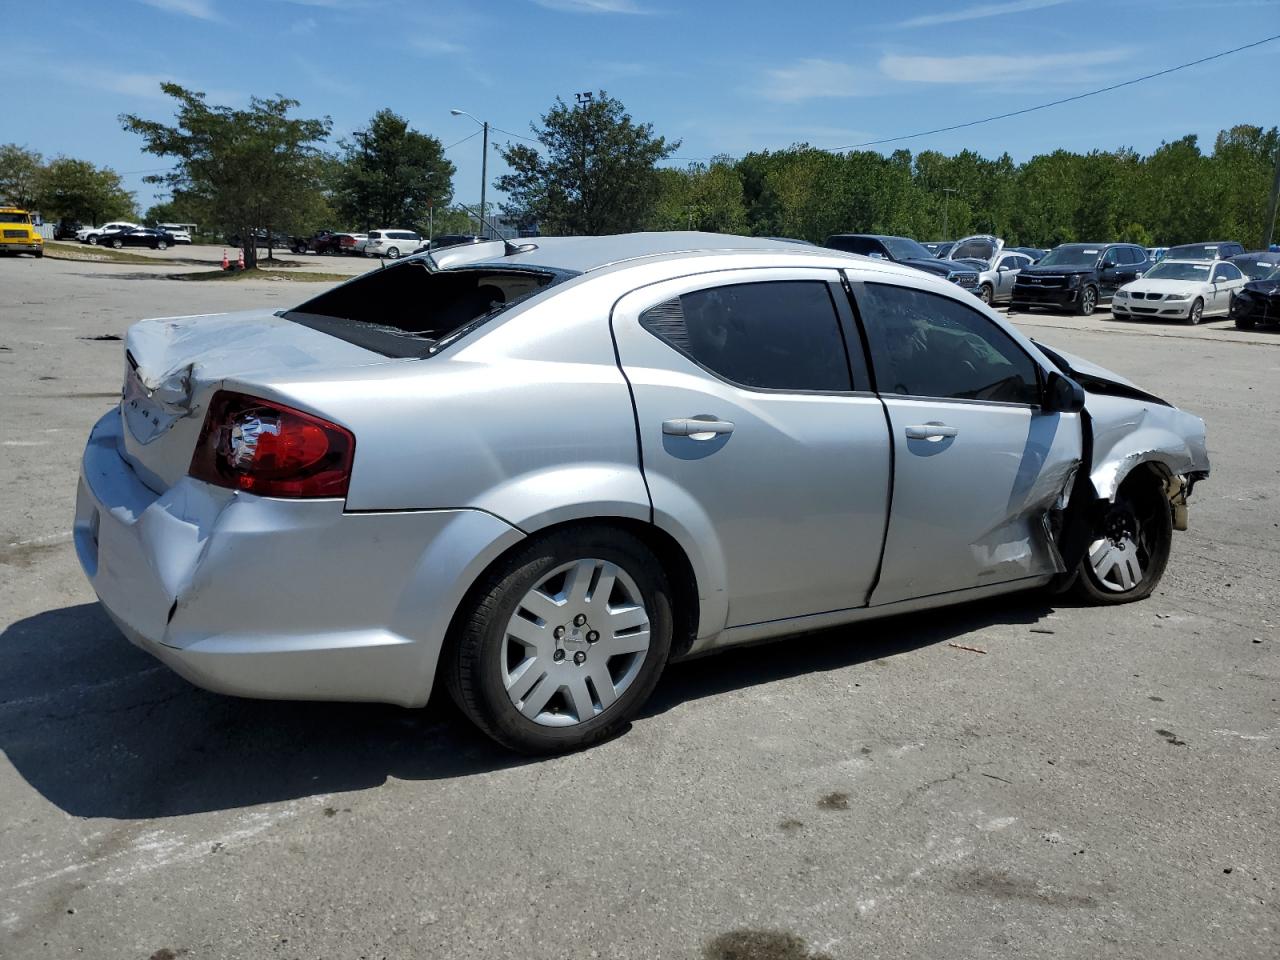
(1258, 269)
(412, 311)
(1071, 255)
(15, 218)
(900, 248)
(1194, 251)
(1168, 270)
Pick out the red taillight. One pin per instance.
(271, 450)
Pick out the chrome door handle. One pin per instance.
(931, 431)
(693, 427)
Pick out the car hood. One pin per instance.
(1268, 288)
(982, 247)
(1165, 286)
(939, 267)
(1037, 269)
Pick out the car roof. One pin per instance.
(586, 254)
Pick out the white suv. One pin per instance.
(391, 243)
(91, 234)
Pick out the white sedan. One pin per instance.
(1182, 290)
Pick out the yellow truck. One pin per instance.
(17, 235)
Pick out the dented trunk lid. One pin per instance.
(173, 365)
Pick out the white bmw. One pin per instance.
(1181, 290)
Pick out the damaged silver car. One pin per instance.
(540, 473)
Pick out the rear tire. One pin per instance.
(1129, 547)
(500, 640)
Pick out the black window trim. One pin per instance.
(834, 291)
(855, 292)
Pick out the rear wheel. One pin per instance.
(563, 642)
(1088, 302)
(1130, 545)
(1197, 312)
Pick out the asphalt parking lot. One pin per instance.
(1012, 778)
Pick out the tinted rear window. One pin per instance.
(409, 311)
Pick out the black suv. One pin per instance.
(1078, 276)
(1208, 250)
(907, 252)
(66, 229)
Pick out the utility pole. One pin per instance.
(946, 204)
(431, 220)
(1269, 226)
(484, 174)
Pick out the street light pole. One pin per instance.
(484, 162)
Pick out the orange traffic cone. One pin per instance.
(226, 264)
(240, 261)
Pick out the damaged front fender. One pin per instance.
(1128, 432)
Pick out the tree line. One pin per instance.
(591, 168)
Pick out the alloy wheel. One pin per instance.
(575, 643)
(1088, 301)
(1197, 312)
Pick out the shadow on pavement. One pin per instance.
(101, 729)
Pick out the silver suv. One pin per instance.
(540, 473)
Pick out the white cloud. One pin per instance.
(200, 9)
(812, 78)
(997, 68)
(435, 46)
(980, 12)
(591, 6)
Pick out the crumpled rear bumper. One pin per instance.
(274, 598)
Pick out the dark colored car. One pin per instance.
(66, 229)
(1259, 301)
(272, 241)
(1076, 277)
(1035, 253)
(141, 237)
(1209, 250)
(322, 241)
(907, 252)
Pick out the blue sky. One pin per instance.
(723, 76)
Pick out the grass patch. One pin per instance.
(66, 251)
(257, 273)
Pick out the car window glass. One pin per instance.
(1127, 255)
(927, 345)
(780, 335)
(1228, 271)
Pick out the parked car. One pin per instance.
(179, 233)
(1035, 253)
(1258, 301)
(138, 237)
(391, 243)
(1181, 290)
(357, 244)
(1258, 265)
(908, 253)
(595, 455)
(1078, 276)
(90, 235)
(1210, 250)
(933, 246)
(941, 250)
(264, 240)
(322, 241)
(18, 234)
(1156, 254)
(66, 229)
(448, 240)
(996, 276)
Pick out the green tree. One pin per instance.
(390, 174)
(19, 175)
(700, 197)
(597, 172)
(246, 169)
(78, 190)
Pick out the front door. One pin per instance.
(977, 464)
(759, 434)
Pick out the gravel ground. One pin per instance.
(1095, 783)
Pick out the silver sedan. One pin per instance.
(540, 473)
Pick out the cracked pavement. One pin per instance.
(1100, 783)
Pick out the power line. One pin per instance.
(1055, 103)
(516, 135)
(463, 140)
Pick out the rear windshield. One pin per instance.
(15, 218)
(1194, 251)
(410, 310)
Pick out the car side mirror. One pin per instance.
(1062, 395)
(1108, 264)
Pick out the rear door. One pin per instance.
(977, 464)
(759, 433)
